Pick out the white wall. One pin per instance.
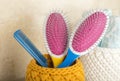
(29, 15)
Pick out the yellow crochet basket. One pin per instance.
(35, 72)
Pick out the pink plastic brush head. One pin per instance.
(89, 31)
(56, 33)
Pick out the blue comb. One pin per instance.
(31, 49)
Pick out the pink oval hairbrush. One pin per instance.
(86, 35)
(56, 37)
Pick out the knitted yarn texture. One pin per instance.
(38, 73)
(102, 64)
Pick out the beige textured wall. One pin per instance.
(29, 15)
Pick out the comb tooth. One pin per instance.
(88, 22)
(94, 16)
(97, 10)
(92, 11)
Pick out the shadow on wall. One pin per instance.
(13, 59)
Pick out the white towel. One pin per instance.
(112, 37)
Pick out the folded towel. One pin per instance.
(112, 37)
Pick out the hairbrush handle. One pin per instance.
(71, 57)
(31, 49)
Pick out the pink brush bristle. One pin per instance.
(56, 33)
(89, 31)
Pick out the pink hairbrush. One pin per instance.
(87, 35)
(56, 37)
